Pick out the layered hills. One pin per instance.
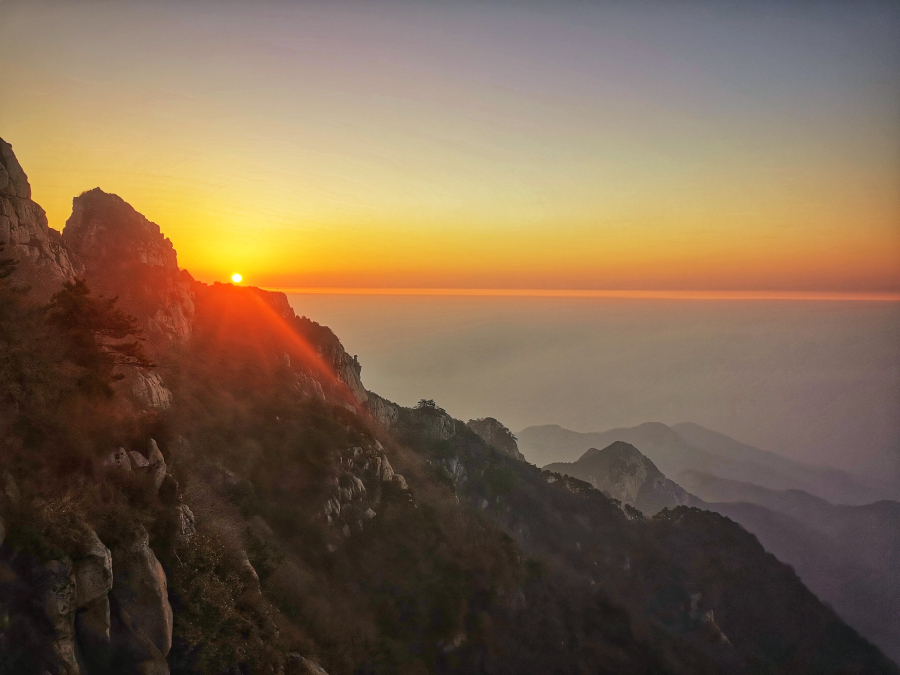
(193, 479)
(848, 555)
(690, 447)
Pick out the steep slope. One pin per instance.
(868, 598)
(265, 522)
(43, 261)
(622, 472)
(121, 253)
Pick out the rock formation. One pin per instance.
(43, 261)
(496, 435)
(622, 472)
(121, 253)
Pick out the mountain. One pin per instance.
(689, 447)
(622, 472)
(848, 555)
(262, 512)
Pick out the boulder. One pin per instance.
(141, 599)
(157, 464)
(117, 460)
(93, 571)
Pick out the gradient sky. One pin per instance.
(719, 145)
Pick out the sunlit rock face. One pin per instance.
(496, 435)
(43, 262)
(121, 253)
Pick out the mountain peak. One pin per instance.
(625, 473)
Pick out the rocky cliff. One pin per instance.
(496, 435)
(121, 253)
(43, 260)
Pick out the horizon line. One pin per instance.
(834, 296)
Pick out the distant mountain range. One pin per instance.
(848, 555)
(690, 447)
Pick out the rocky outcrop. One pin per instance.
(385, 412)
(623, 473)
(148, 389)
(497, 436)
(121, 253)
(143, 626)
(43, 261)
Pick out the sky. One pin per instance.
(502, 145)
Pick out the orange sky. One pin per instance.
(320, 147)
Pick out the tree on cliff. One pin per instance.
(98, 336)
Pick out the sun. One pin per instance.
(236, 278)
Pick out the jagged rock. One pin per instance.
(43, 261)
(117, 460)
(385, 412)
(141, 599)
(380, 467)
(121, 253)
(400, 482)
(157, 464)
(497, 436)
(148, 389)
(435, 424)
(58, 590)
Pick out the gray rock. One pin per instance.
(400, 482)
(93, 572)
(139, 589)
(497, 436)
(117, 460)
(148, 390)
(157, 468)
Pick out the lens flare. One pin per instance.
(236, 278)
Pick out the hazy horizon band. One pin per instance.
(595, 293)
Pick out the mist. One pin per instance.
(815, 381)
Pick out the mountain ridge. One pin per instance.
(275, 517)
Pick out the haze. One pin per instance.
(815, 381)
